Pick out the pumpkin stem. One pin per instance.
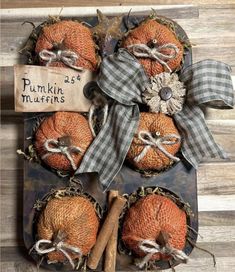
(64, 141)
(58, 46)
(59, 236)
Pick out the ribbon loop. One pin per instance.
(47, 56)
(144, 51)
(43, 251)
(209, 83)
(149, 246)
(68, 57)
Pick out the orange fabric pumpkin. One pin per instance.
(76, 218)
(71, 127)
(147, 32)
(153, 123)
(148, 217)
(69, 35)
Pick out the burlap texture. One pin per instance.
(150, 215)
(144, 34)
(154, 158)
(69, 35)
(76, 217)
(58, 125)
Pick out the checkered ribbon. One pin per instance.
(208, 83)
(123, 79)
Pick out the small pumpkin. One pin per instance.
(148, 218)
(152, 34)
(155, 143)
(62, 139)
(72, 36)
(75, 218)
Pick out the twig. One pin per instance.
(205, 250)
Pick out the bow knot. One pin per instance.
(60, 246)
(65, 150)
(150, 141)
(68, 57)
(144, 51)
(150, 248)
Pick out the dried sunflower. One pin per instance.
(165, 94)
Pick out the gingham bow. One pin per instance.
(68, 57)
(123, 79)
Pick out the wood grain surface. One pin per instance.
(210, 26)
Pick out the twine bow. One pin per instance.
(60, 246)
(144, 51)
(150, 141)
(68, 57)
(150, 248)
(65, 150)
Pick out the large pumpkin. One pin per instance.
(72, 36)
(150, 216)
(150, 31)
(158, 125)
(76, 218)
(62, 139)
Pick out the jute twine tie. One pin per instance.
(144, 51)
(65, 150)
(149, 141)
(60, 246)
(68, 57)
(150, 247)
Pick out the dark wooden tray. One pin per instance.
(39, 181)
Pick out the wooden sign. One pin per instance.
(45, 89)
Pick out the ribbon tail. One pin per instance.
(108, 151)
(198, 142)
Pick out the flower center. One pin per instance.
(165, 93)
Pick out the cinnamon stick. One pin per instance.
(111, 248)
(105, 232)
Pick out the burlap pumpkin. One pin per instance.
(59, 139)
(148, 217)
(147, 32)
(158, 125)
(69, 35)
(74, 216)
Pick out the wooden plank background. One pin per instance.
(211, 28)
